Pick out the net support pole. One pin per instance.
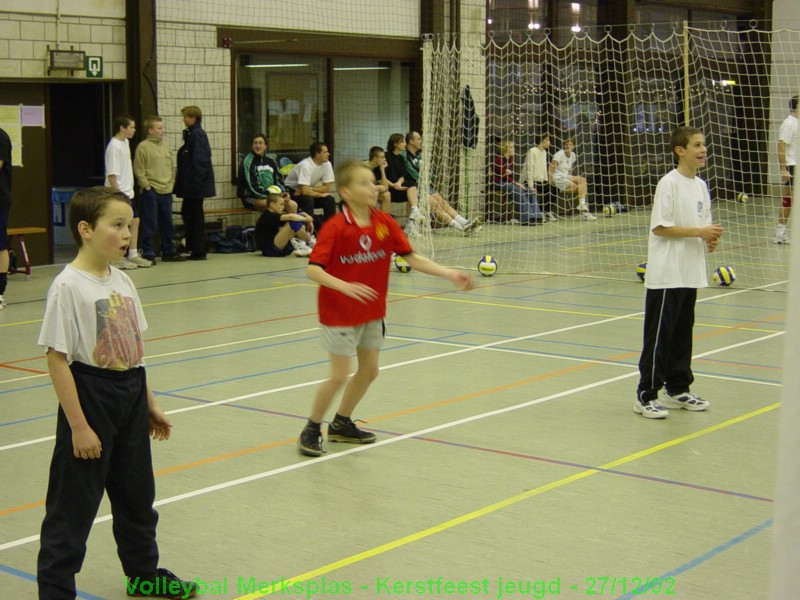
(785, 558)
(686, 101)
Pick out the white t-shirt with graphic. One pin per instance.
(96, 321)
(679, 201)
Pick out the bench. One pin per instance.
(20, 233)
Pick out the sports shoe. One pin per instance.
(650, 409)
(310, 440)
(139, 261)
(123, 264)
(2, 302)
(780, 238)
(686, 401)
(587, 216)
(342, 429)
(311, 242)
(551, 217)
(416, 215)
(300, 247)
(174, 257)
(150, 258)
(164, 584)
(473, 226)
(411, 229)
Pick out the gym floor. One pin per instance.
(509, 462)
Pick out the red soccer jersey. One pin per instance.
(358, 254)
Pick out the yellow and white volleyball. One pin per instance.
(724, 276)
(401, 264)
(609, 210)
(742, 197)
(641, 270)
(487, 266)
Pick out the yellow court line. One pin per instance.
(481, 512)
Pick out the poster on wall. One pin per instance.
(13, 117)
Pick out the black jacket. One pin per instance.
(195, 176)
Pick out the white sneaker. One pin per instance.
(551, 217)
(686, 401)
(650, 410)
(302, 252)
(124, 264)
(473, 226)
(411, 229)
(2, 302)
(587, 216)
(312, 242)
(297, 243)
(139, 261)
(416, 215)
(780, 238)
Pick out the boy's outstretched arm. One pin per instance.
(85, 443)
(462, 280)
(358, 291)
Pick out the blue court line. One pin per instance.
(700, 559)
(28, 420)
(32, 578)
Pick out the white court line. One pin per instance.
(378, 444)
(461, 350)
(187, 351)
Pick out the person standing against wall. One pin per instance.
(194, 181)
(5, 205)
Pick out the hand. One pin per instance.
(160, 425)
(711, 232)
(86, 444)
(359, 291)
(711, 245)
(463, 281)
(785, 175)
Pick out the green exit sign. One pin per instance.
(94, 67)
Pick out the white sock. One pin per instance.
(456, 225)
(781, 230)
(414, 209)
(582, 202)
(461, 220)
(132, 252)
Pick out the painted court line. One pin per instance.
(481, 512)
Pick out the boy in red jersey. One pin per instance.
(350, 262)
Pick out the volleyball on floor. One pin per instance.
(487, 266)
(641, 269)
(742, 197)
(609, 210)
(401, 264)
(724, 276)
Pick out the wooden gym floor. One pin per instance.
(508, 463)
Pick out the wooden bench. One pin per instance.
(20, 233)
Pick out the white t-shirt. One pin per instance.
(564, 165)
(535, 168)
(309, 173)
(118, 163)
(678, 262)
(789, 134)
(96, 321)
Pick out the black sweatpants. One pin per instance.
(115, 405)
(194, 224)
(307, 204)
(667, 349)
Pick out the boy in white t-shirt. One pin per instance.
(681, 231)
(560, 173)
(119, 175)
(92, 330)
(788, 140)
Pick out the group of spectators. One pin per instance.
(532, 195)
(287, 203)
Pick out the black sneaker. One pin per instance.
(174, 257)
(342, 429)
(164, 584)
(310, 440)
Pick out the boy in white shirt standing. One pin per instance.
(119, 176)
(681, 232)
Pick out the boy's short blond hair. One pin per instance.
(347, 170)
(151, 121)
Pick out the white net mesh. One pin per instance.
(619, 100)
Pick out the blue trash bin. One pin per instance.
(60, 196)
